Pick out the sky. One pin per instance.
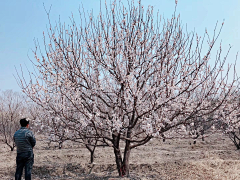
(22, 21)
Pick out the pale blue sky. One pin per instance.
(24, 20)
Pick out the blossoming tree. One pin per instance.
(229, 120)
(12, 109)
(127, 76)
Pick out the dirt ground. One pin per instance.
(214, 158)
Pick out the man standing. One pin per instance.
(25, 141)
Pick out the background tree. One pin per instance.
(129, 77)
(12, 109)
(229, 123)
(57, 130)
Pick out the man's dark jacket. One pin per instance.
(24, 139)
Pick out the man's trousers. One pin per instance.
(24, 159)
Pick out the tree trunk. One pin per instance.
(11, 147)
(118, 157)
(92, 156)
(60, 145)
(127, 152)
(126, 158)
(234, 139)
(91, 151)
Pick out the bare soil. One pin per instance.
(212, 159)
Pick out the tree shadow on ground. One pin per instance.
(76, 172)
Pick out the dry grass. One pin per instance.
(215, 158)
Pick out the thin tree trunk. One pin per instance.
(234, 139)
(92, 156)
(91, 151)
(11, 147)
(60, 145)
